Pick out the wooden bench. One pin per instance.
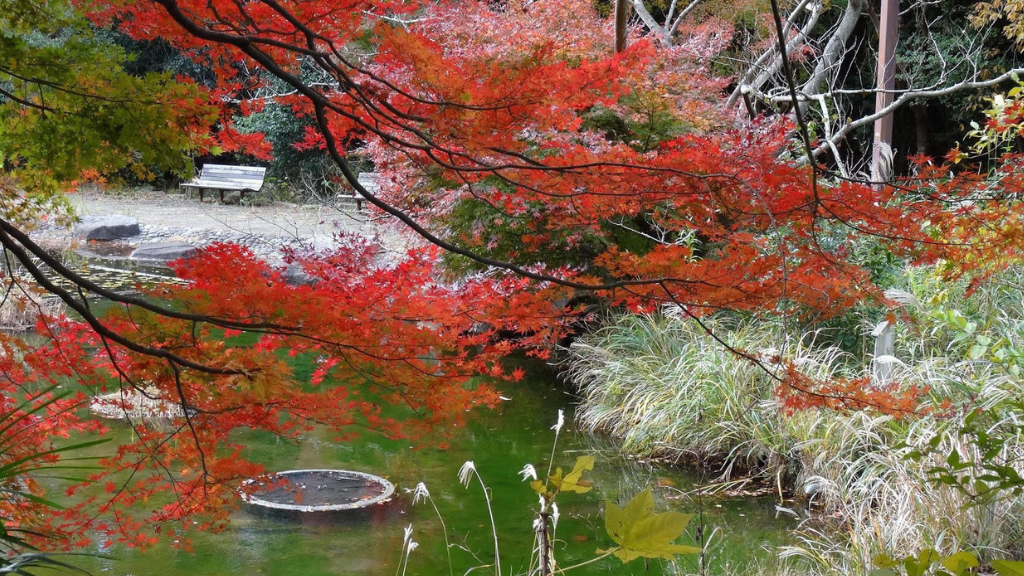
(222, 177)
(368, 180)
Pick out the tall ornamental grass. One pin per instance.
(663, 387)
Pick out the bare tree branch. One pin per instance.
(746, 81)
(831, 56)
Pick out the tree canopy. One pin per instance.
(537, 162)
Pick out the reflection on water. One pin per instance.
(118, 274)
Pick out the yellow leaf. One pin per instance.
(573, 482)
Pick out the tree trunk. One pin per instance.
(621, 22)
(921, 132)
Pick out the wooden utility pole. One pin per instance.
(888, 32)
(622, 9)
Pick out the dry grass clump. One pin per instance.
(663, 387)
(19, 307)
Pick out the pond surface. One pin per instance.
(109, 267)
(500, 442)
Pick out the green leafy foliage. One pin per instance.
(1008, 567)
(1002, 127)
(646, 123)
(982, 464)
(507, 237)
(640, 533)
(994, 472)
(60, 84)
(927, 562)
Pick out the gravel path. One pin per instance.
(281, 220)
(265, 229)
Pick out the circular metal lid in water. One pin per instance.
(318, 490)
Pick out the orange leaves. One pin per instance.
(798, 391)
(390, 349)
(231, 140)
(520, 134)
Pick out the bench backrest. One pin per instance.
(236, 176)
(370, 181)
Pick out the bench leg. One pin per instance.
(201, 191)
(221, 196)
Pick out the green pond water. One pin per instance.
(500, 442)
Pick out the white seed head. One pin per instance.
(408, 534)
(466, 473)
(420, 493)
(412, 546)
(554, 514)
(528, 471)
(561, 421)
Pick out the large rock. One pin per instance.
(294, 275)
(107, 227)
(164, 251)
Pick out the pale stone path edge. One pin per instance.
(173, 217)
(280, 220)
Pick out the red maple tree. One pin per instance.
(485, 110)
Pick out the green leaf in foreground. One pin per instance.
(1008, 567)
(640, 533)
(960, 563)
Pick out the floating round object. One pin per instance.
(318, 490)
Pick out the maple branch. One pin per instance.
(714, 335)
(382, 120)
(428, 145)
(183, 402)
(321, 104)
(845, 400)
(332, 149)
(27, 103)
(67, 90)
(246, 45)
(8, 242)
(83, 282)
